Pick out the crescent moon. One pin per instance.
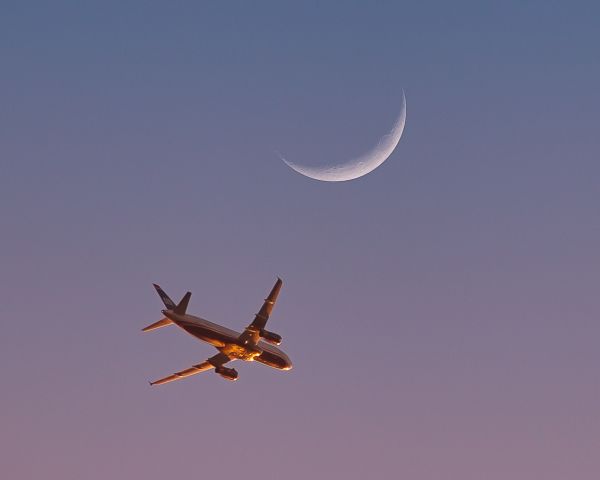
(359, 166)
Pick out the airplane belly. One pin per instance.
(207, 334)
(242, 352)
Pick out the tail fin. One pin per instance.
(181, 307)
(170, 304)
(163, 322)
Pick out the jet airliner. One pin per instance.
(255, 343)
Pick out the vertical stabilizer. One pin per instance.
(170, 304)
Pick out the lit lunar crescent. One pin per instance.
(362, 165)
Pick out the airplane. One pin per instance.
(255, 343)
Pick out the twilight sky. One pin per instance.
(442, 312)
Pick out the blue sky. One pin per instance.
(441, 312)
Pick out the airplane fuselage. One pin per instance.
(228, 341)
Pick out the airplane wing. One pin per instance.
(251, 333)
(216, 361)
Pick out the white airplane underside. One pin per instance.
(255, 343)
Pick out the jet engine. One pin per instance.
(270, 337)
(227, 373)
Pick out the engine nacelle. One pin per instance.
(270, 337)
(227, 373)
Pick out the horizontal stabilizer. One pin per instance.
(161, 323)
(181, 307)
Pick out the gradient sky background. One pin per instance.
(442, 312)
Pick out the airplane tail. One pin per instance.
(180, 308)
(170, 304)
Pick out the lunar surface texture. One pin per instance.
(357, 167)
